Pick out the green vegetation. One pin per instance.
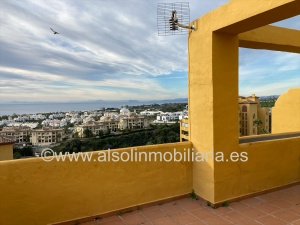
(258, 122)
(66, 128)
(22, 152)
(166, 107)
(193, 195)
(268, 103)
(5, 117)
(17, 155)
(157, 135)
(225, 204)
(88, 133)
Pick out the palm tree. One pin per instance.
(58, 136)
(258, 122)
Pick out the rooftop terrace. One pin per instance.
(37, 192)
(278, 207)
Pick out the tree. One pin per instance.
(66, 128)
(27, 138)
(4, 117)
(24, 151)
(88, 133)
(263, 131)
(58, 136)
(126, 130)
(76, 135)
(73, 146)
(258, 122)
(100, 133)
(17, 155)
(107, 132)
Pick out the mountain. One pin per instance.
(123, 102)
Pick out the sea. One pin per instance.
(19, 109)
(7, 109)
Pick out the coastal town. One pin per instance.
(46, 129)
(38, 131)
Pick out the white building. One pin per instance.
(75, 120)
(124, 111)
(6, 122)
(56, 116)
(37, 117)
(21, 119)
(150, 113)
(169, 116)
(110, 114)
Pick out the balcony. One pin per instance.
(37, 192)
(81, 191)
(278, 207)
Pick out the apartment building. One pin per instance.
(112, 121)
(93, 126)
(44, 136)
(19, 134)
(253, 119)
(184, 129)
(133, 121)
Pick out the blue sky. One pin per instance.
(110, 50)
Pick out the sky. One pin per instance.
(110, 50)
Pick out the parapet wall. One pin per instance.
(37, 192)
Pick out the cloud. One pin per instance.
(268, 72)
(104, 50)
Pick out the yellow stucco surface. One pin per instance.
(270, 164)
(6, 151)
(213, 93)
(271, 38)
(38, 192)
(286, 112)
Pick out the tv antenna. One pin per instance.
(171, 18)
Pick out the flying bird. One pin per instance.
(54, 31)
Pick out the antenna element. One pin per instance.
(171, 17)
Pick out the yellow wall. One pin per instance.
(286, 112)
(6, 151)
(213, 93)
(36, 192)
(272, 38)
(270, 164)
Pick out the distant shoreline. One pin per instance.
(33, 108)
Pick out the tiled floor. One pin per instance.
(279, 207)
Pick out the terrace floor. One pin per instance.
(279, 207)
